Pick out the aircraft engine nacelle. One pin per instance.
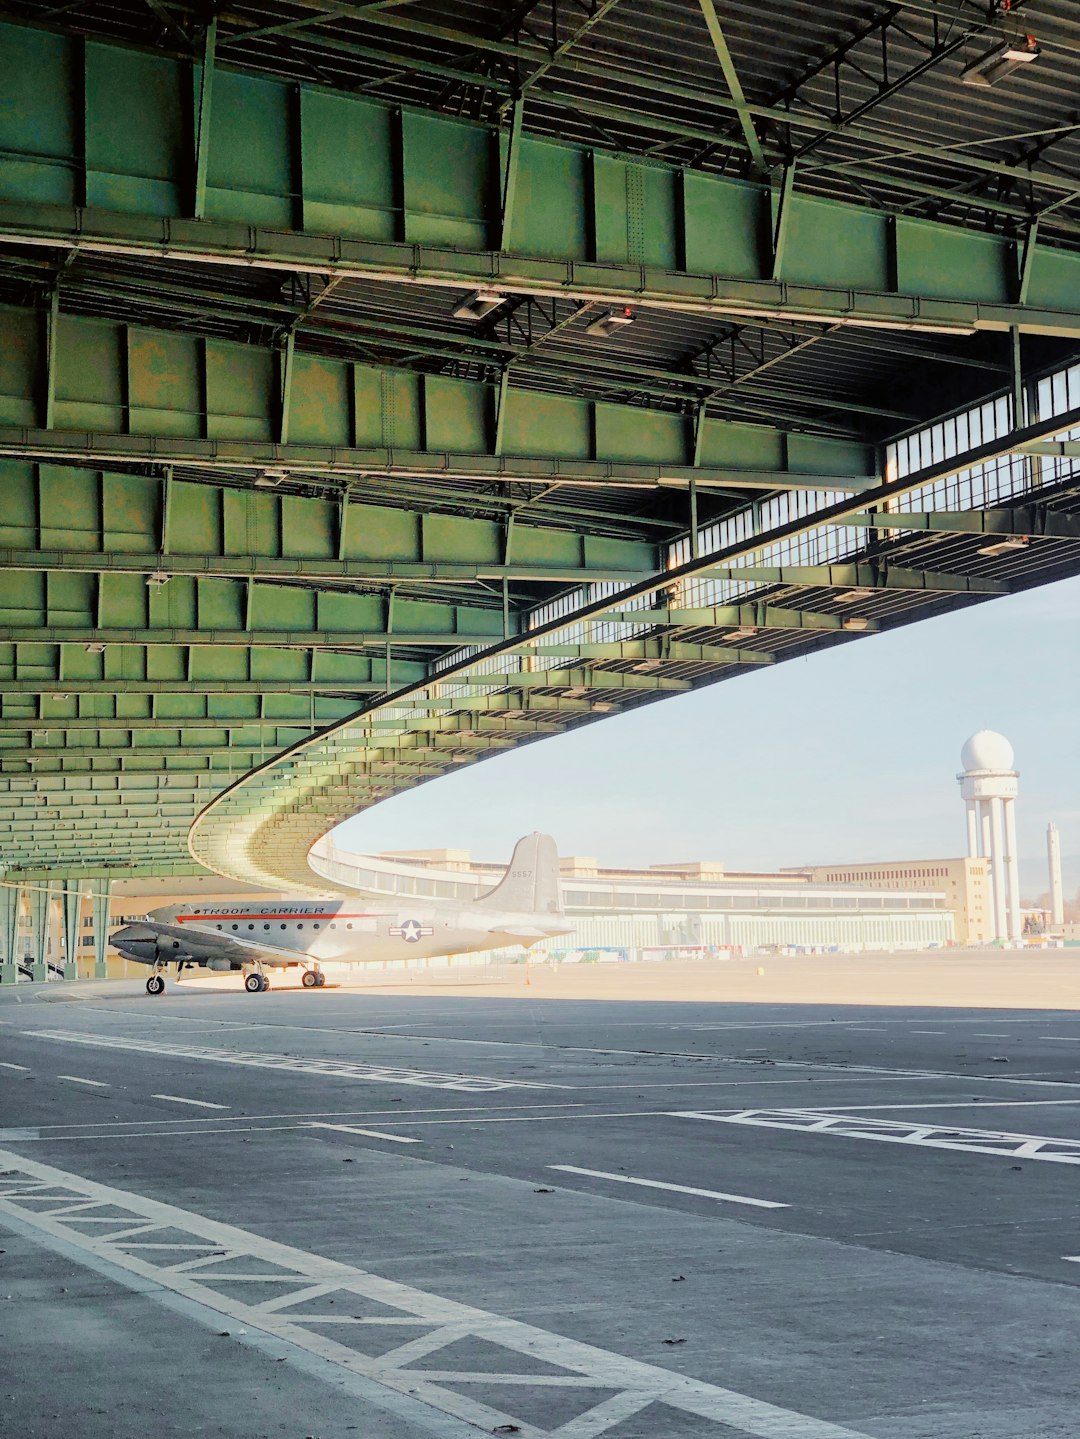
(148, 945)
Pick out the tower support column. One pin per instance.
(1012, 871)
(997, 869)
(102, 892)
(72, 906)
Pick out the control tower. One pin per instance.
(989, 785)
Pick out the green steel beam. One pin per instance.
(753, 616)
(312, 572)
(239, 639)
(872, 577)
(253, 458)
(731, 78)
(655, 652)
(972, 308)
(120, 685)
(245, 754)
(147, 724)
(1034, 522)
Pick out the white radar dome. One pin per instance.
(987, 750)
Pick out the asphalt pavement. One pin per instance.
(339, 1211)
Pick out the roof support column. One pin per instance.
(10, 899)
(71, 899)
(510, 171)
(100, 896)
(42, 895)
(727, 64)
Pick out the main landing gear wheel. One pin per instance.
(254, 983)
(320, 980)
(310, 980)
(155, 984)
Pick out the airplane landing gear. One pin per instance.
(155, 984)
(255, 983)
(313, 979)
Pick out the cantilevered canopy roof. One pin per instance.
(345, 346)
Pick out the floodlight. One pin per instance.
(855, 623)
(270, 478)
(744, 632)
(576, 692)
(850, 597)
(604, 709)
(1001, 61)
(96, 649)
(611, 323)
(643, 667)
(478, 305)
(1002, 547)
(158, 579)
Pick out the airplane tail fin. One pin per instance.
(531, 882)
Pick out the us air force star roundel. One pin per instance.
(412, 930)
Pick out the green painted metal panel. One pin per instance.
(551, 212)
(342, 612)
(196, 525)
(623, 433)
(610, 217)
(135, 132)
(249, 176)
(418, 615)
(131, 511)
(655, 237)
(320, 410)
(952, 264)
(38, 117)
(820, 250)
(380, 533)
(621, 553)
(815, 455)
(308, 527)
(279, 665)
(545, 547)
(91, 379)
(348, 167)
(172, 604)
(402, 409)
(1054, 278)
(70, 514)
(456, 415)
(278, 607)
(70, 599)
(547, 425)
(221, 604)
(207, 663)
(367, 406)
(20, 602)
(240, 392)
(451, 537)
(727, 227)
(742, 446)
(252, 523)
(450, 180)
(165, 391)
(21, 365)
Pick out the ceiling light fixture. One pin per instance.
(95, 649)
(478, 305)
(1001, 61)
(856, 623)
(611, 323)
(850, 597)
(1002, 547)
(270, 478)
(646, 665)
(157, 580)
(744, 632)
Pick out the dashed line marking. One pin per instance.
(197, 1103)
(78, 1079)
(370, 1133)
(24, 1067)
(293, 1064)
(673, 1188)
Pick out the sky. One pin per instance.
(849, 754)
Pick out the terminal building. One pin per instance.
(965, 883)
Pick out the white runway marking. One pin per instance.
(1061, 1038)
(928, 1031)
(292, 1064)
(24, 1067)
(928, 1136)
(371, 1133)
(198, 1103)
(78, 1079)
(674, 1188)
(56, 1204)
(982, 1034)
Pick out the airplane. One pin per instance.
(524, 907)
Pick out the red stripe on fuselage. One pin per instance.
(187, 918)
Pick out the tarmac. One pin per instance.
(623, 1201)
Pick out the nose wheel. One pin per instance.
(155, 984)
